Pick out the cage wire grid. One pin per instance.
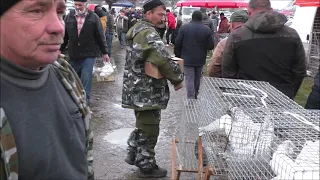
(186, 135)
(294, 133)
(245, 94)
(245, 134)
(314, 51)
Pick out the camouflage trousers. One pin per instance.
(143, 139)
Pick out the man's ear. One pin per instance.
(148, 13)
(249, 12)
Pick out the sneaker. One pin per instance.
(157, 172)
(130, 159)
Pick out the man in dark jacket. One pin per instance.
(215, 22)
(122, 24)
(109, 31)
(313, 101)
(264, 49)
(193, 41)
(206, 20)
(133, 17)
(86, 41)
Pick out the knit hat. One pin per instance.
(196, 16)
(150, 4)
(6, 5)
(80, 0)
(239, 16)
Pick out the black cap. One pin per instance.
(80, 0)
(151, 4)
(197, 16)
(6, 5)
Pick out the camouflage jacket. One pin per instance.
(142, 92)
(8, 150)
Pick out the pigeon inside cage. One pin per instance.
(284, 145)
(244, 124)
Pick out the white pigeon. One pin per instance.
(305, 167)
(307, 161)
(281, 164)
(223, 123)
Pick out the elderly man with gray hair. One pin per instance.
(237, 19)
(44, 119)
(206, 20)
(264, 49)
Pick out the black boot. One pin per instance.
(156, 172)
(132, 147)
(131, 158)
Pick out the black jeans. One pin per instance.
(161, 32)
(313, 101)
(169, 32)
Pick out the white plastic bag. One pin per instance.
(105, 72)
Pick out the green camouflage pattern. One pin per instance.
(8, 150)
(9, 156)
(140, 91)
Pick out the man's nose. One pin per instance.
(55, 24)
(163, 18)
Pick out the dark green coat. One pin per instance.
(140, 91)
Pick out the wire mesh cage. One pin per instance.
(245, 122)
(186, 140)
(314, 51)
(294, 133)
(223, 93)
(264, 144)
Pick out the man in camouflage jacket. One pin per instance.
(44, 120)
(147, 95)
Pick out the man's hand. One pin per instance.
(106, 58)
(177, 87)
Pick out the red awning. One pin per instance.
(213, 3)
(195, 3)
(91, 7)
(304, 3)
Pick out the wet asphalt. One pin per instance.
(109, 116)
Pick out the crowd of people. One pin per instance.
(45, 129)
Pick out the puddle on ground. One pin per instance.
(118, 106)
(119, 136)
